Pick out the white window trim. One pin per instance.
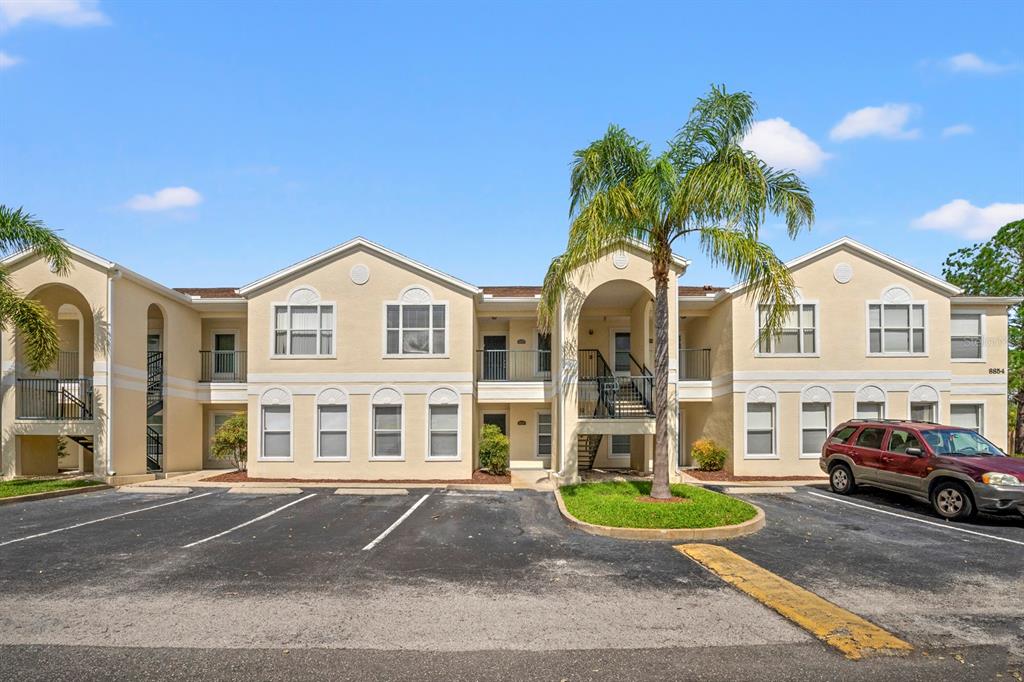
(536, 348)
(937, 402)
(817, 334)
(373, 441)
(982, 319)
(348, 430)
(319, 303)
(430, 334)
(973, 403)
(430, 457)
(883, 354)
(536, 435)
(776, 420)
(611, 448)
(291, 426)
(828, 429)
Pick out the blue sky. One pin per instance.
(209, 144)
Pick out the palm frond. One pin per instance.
(614, 159)
(20, 230)
(34, 323)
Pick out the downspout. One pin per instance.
(114, 274)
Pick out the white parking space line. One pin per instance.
(944, 526)
(249, 522)
(394, 525)
(105, 518)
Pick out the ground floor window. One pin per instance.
(621, 446)
(923, 412)
(761, 429)
(870, 410)
(543, 434)
(277, 431)
(387, 431)
(332, 424)
(966, 416)
(444, 431)
(815, 427)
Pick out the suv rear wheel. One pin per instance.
(841, 480)
(952, 501)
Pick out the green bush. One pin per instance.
(494, 450)
(231, 442)
(708, 455)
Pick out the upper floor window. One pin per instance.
(896, 325)
(304, 325)
(965, 336)
(416, 325)
(798, 335)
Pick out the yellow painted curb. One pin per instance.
(837, 627)
(665, 534)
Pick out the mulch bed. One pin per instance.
(671, 500)
(479, 477)
(724, 476)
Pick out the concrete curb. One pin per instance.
(668, 534)
(265, 491)
(155, 490)
(53, 493)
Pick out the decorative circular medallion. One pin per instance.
(360, 274)
(620, 260)
(843, 272)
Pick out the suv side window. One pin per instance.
(842, 435)
(900, 440)
(870, 438)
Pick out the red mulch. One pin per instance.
(671, 500)
(724, 476)
(480, 477)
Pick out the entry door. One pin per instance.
(495, 358)
(621, 360)
(499, 419)
(224, 355)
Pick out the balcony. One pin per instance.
(55, 399)
(222, 366)
(513, 365)
(694, 364)
(604, 394)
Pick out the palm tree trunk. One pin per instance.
(1018, 427)
(659, 486)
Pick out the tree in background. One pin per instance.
(21, 231)
(704, 186)
(996, 268)
(231, 442)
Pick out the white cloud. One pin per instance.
(888, 120)
(958, 129)
(165, 199)
(963, 218)
(968, 62)
(783, 145)
(60, 12)
(7, 61)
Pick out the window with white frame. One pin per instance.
(543, 434)
(761, 415)
(815, 419)
(621, 446)
(965, 336)
(332, 425)
(896, 328)
(443, 421)
(387, 424)
(868, 409)
(924, 403)
(798, 331)
(416, 325)
(304, 326)
(967, 416)
(276, 423)
(923, 412)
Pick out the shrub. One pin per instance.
(494, 450)
(708, 455)
(231, 442)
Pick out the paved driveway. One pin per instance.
(470, 582)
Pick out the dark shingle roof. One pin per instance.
(210, 292)
(699, 291)
(512, 291)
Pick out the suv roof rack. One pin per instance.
(891, 421)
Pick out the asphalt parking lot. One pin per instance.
(114, 585)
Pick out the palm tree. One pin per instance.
(21, 231)
(705, 185)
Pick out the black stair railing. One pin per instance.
(154, 378)
(603, 394)
(154, 450)
(54, 399)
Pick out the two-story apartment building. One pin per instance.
(361, 364)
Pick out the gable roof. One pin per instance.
(358, 242)
(209, 292)
(867, 251)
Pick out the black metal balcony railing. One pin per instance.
(514, 365)
(56, 399)
(603, 394)
(222, 365)
(694, 364)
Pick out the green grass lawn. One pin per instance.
(28, 485)
(617, 504)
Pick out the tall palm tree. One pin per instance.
(705, 185)
(20, 231)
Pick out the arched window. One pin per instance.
(924, 404)
(870, 403)
(897, 325)
(387, 425)
(815, 419)
(443, 423)
(276, 424)
(416, 324)
(332, 425)
(761, 423)
(304, 325)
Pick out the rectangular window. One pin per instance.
(544, 353)
(416, 329)
(966, 416)
(900, 440)
(303, 330)
(277, 432)
(798, 331)
(444, 431)
(760, 429)
(922, 412)
(387, 432)
(332, 422)
(897, 329)
(866, 410)
(815, 419)
(543, 434)
(965, 336)
(621, 446)
(870, 438)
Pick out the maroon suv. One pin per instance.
(956, 470)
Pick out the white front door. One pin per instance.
(621, 364)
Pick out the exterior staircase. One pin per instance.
(154, 406)
(587, 445)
